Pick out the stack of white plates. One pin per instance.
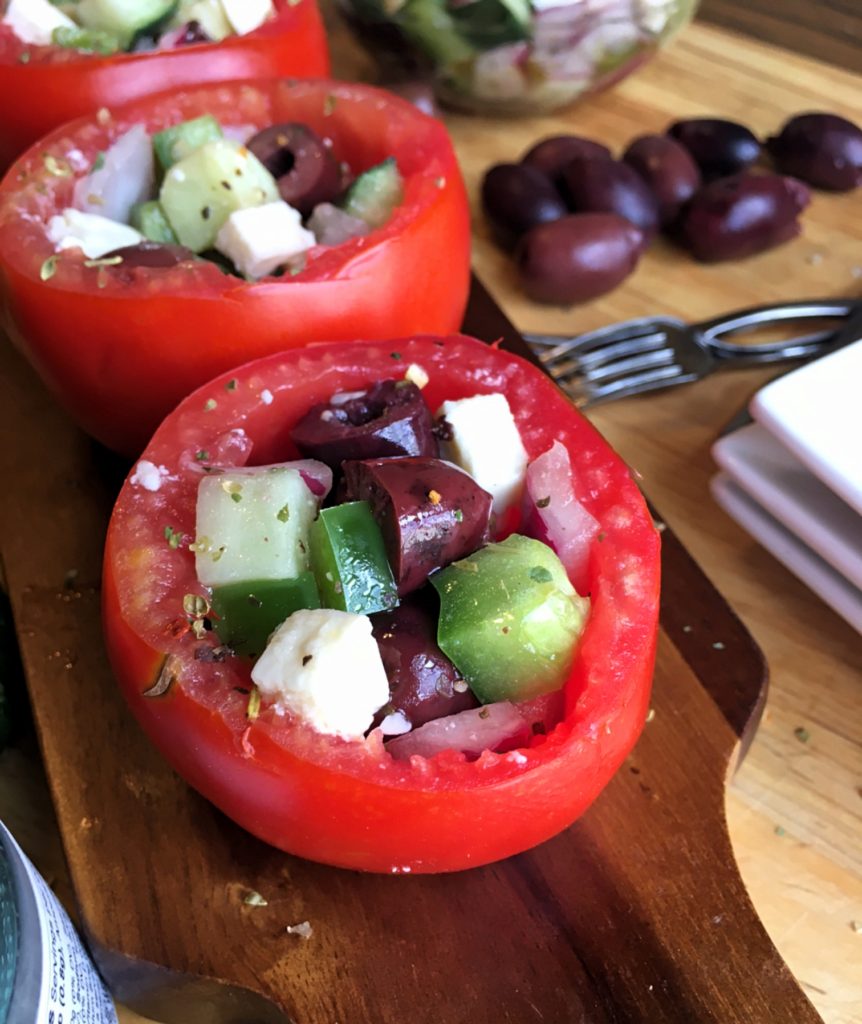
(793, 477)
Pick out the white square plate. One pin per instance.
(837, 591)
(816, 411)
(802, 503)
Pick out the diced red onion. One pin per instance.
(552, 513)
(126, 178)
(491, 727)
(332, 226)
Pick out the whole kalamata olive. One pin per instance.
(608, 186)
(430, 512)
(306, 171)
(579, 257)
(718, 147)
(389, 418)
(516, 198)
(551, 155)
(423, 683)
(823, 149)
(743, 215)
(152, 255)
(668, 170)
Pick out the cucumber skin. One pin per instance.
(173, 144)
(149, 218)
(375, 193)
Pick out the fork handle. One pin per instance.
(713, 334)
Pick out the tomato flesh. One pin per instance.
(119, 347)
(350, 803)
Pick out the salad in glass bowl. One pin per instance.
(516, 56)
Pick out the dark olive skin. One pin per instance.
(516, 198)
(423, 683)
(824, 150)
(388, 419)
(551, 155)
(430, 513)
(609, 186)
(743, 215)
(578, 258)
(192, 34)
(304, 168)
(718, 147)
(152, 255)
(668, 170)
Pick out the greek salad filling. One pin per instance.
(255, 203)
(375, 583)
(108, 27)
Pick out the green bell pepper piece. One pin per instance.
(248, 613)
(348, 559)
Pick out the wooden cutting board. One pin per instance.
(637, 913)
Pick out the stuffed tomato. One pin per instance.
(54, 82)
(380, 791)
(120, 341)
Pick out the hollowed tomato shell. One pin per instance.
(119, 347)
(349, 803)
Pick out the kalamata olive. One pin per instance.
(669, 171)
(551, 155)
(423, 683)
(823, 149)
(743, 215)
(609, 186)
(430, 512)
(578, 257)
(390, 418)
(306, 171)
(153, 255)
(192, 32)
(718, 147)
(516, 198)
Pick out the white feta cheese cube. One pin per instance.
(34, 21)
(324, 666)
(247, 15)
(259, 239)
(96, 235)
(485, 442)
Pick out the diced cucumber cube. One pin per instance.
(202, 190)
(253, 524)
(178, 141)
(149, 218)
(375, 194)
(87, 40)
(123, 18)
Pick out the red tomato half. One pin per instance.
(120, 347)
(348, 803)
(45, 86)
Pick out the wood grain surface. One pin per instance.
(794, 808)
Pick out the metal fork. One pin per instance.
(643, 355)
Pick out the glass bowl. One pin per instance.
(514, 56)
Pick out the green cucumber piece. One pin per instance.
(429, 25)
(253, 524)
(203, 189)
(376, 193)
(149, 218)
(178, 141)
(87, 40)
(123, 18)
(348, 559)
(248, 613)
(509, 619)
(490, 23)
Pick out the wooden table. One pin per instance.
(794, 807)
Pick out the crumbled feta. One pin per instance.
(324, 666)
(148, 475)
(395, 724)
(34, 21)
(247, 15)
(96, 235)
(260, 238)
(486, 443)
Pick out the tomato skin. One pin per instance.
(56, 85)
(349, 804)
(119, 348)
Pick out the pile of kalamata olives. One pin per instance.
(578, 220)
